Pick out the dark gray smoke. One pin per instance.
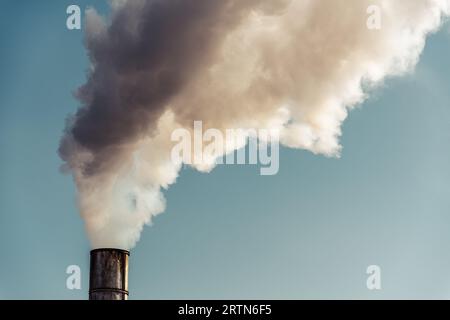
(145, 57)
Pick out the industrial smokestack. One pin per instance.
(108, 278)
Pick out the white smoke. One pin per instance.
(294, 66)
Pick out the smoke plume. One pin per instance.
(295, 66)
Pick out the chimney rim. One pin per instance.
(110, 249)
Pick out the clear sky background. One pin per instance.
(308, 232)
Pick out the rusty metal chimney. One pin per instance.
(108, 279)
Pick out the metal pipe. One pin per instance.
(108, 278)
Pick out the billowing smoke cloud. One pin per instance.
(294, 66)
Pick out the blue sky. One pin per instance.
(308, 232)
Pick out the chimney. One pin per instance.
(108, 279)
